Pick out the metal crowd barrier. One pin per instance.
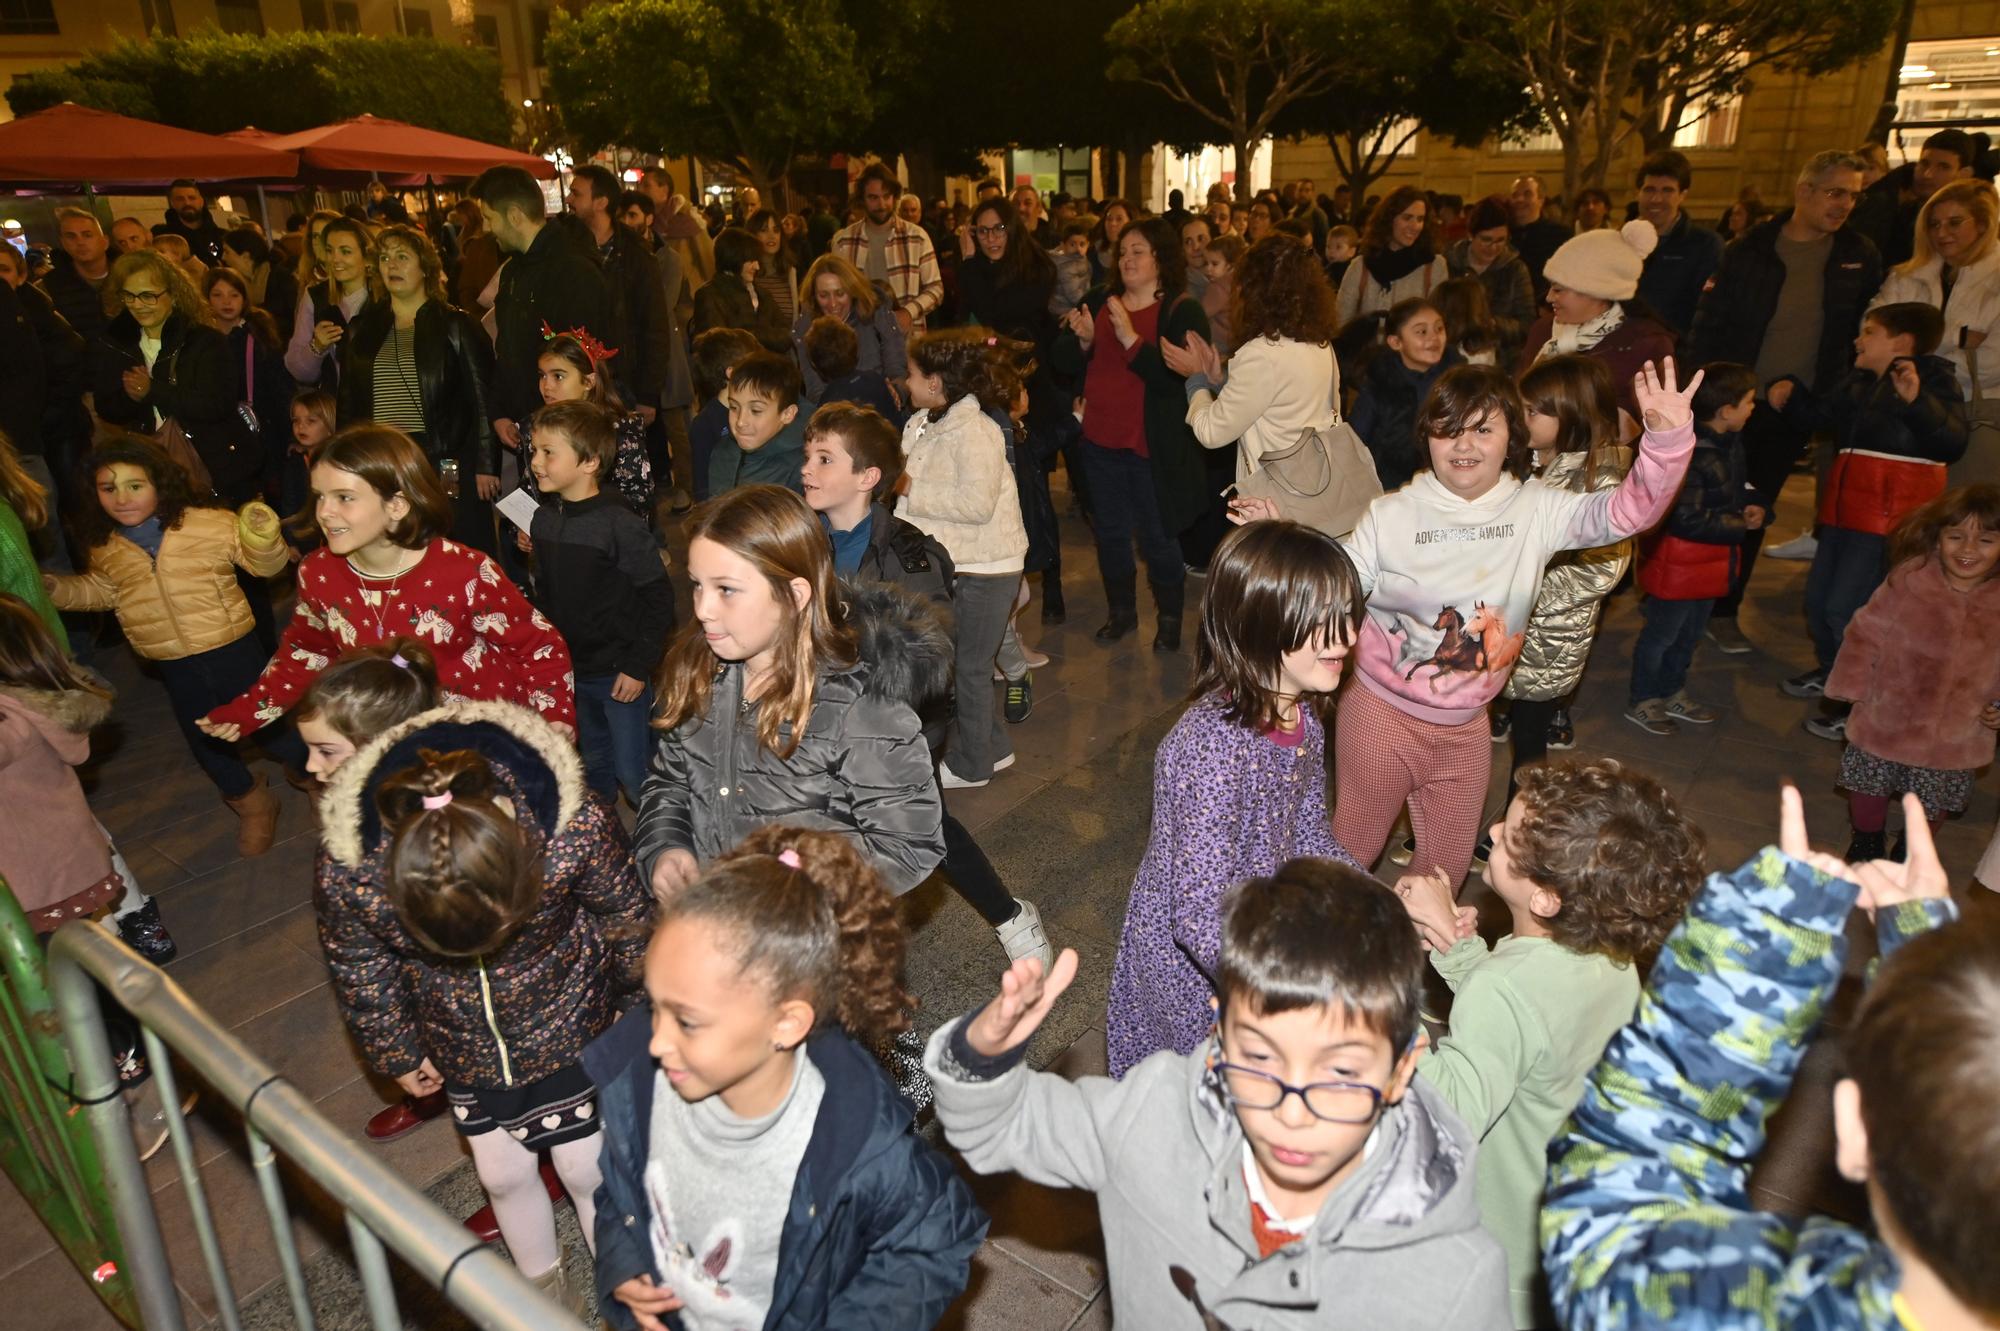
(384, 1213)
(45, 1147)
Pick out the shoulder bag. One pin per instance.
(1981, 463)
(1326, 480)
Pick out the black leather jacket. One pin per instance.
(195, 383)
(454, 369)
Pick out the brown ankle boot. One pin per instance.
(257, 812)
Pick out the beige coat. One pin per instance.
(185, 602)
(1277, 389)
(1564, 622)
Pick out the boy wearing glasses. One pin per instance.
(1289, 1175)
(1596, 865)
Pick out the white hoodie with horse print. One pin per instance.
(1451, 582)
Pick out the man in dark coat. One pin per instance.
(1786, 301)
(188, 217)
(640, 323)
(1688, 254)
(549, 279)
(1533, 238)
(76, 284)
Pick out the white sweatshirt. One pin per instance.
(1451, 582)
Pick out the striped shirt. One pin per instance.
(399, 397)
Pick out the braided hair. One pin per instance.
(461, 873)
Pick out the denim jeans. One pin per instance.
(1124, 505)
(198, 684)
(615, 738)
(1665, 650)
(1846, 570)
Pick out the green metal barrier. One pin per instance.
(46, 1146)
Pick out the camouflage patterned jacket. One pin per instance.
(1647, 1220)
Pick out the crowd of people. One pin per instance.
(388, 506)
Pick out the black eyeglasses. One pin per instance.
(997, 229)
(142, 297)
(1328, 1101)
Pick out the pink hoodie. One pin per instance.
(1451, 582)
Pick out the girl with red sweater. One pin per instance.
(385, 572)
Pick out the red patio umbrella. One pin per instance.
(71, 144)
(371, 145)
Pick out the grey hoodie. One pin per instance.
(1396, 1245)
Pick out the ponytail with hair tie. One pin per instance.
(461, 872)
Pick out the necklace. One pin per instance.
(377, 602)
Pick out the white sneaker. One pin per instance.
(1023, 936)
(950, 780)
(1802, 546)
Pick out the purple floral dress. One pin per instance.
(1229, 803)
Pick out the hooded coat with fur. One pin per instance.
(527, 1009)
(50, 846)
(861, 767)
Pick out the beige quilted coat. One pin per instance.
(185, 602)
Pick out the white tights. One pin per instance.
(511, 1175)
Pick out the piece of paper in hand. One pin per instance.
(517, 507)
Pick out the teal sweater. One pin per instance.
(20, 575)
(776, 463)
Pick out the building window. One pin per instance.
(1542, 140)
(157, 16)
(1713, 125)
(1955, 82)
(538, 22)
(22, 18)
(486, 31)
(240, 16)
(416, 22)
(322, 16)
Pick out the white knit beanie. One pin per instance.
(1604, 264)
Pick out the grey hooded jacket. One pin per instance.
(861, 767)
(1396, 1245)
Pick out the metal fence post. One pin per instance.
(96, 1086)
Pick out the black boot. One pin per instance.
(1867, 846)
(1123, 596)
(145, 933)
(1053, 610)
(1168, 601)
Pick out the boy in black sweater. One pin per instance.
(601, 582)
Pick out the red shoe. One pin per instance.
(487, 1230)
(404, 1117)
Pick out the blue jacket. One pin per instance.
(881, 1231)
(1678, 270)
(1648, 1221)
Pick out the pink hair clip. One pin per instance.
(437, 801)
(789, 858)
(399, 662)
(992, 341)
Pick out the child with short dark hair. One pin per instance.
(1596, 865)
(1394, 385)
(1898, 419)
(766, 440)
(853, 455)
(599, 579)
(1223, 1202)
(1648, 1220)
(759, 1167)
(1695, 557)
(481, 915)
(715, 355)
(834, 351)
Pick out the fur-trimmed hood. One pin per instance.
(76, 711)
(904, 641)
(538, 760)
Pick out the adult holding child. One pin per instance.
(1955, 268)
(833, 288)
(1144, 467)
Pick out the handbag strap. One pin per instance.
(249, 367)
(1972, 372)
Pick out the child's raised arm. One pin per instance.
(1647, 1219)
(1581, 521)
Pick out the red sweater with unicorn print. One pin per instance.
(489, 642)
(1450, 582)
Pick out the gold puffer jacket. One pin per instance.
(1564, 621)
(187, 600)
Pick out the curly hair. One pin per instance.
(1281, 291)
(92, 526)
(972, 362)
(1916, 536)
(1468, 394)
(1615, 847)
(368, 689)
(825, 931)
(429, 264)
(1167, 254)
(461, 872)
(167, 277)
